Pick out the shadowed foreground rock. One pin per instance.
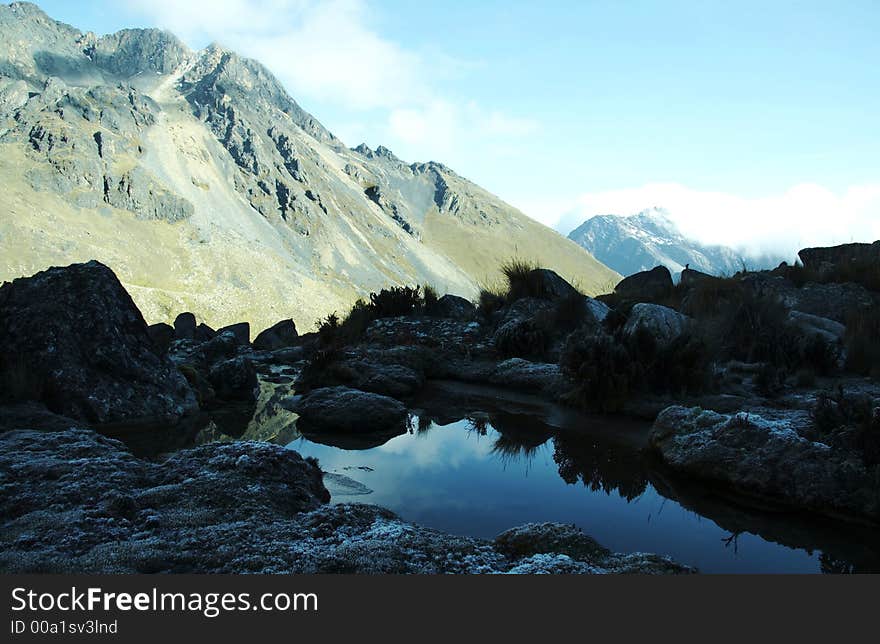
(75, 501)
(72, 338)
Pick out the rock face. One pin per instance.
(346, 410)
(279, 336)
(76, 502)
(765, 456)
(208, 187)
(647, 286)
(664, 324)
(73, 339)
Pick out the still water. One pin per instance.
(492, 469)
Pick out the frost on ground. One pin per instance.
(75, 501)
(768, 455)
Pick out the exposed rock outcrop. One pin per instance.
(840, 257)
(664, 324)
(279, 336)
(346, 410)
(766, 456)
(72, 338)
(646, 286)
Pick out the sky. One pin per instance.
(754, 124)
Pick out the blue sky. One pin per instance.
(747, 120)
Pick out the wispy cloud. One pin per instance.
(330, 51)
(804, 215)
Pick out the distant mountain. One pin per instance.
(206, 187)
(640, 242)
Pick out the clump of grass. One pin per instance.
(396, 301)
(740, 325)
(522, 280)
(707, 297)
(862, 272)
(862, 342)
(392, 302)
(522, 339)
(850, 420)
(490, 301)
(430, 298)
(610, 369)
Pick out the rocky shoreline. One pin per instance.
(75, 501)
(784, 412)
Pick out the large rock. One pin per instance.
(765, 456)
(163, 335)
(185, 326)
(597, 309)
(72, 338)
(836, 257)
(812, 325)
(647, 286)
(551, 285)
(664, 324)
(523, 375)
(77, 502)
(346, 410)
(691, 278)
(279, 336)
(834, 301)
(454, 307)
(241, 331)
(235, 379)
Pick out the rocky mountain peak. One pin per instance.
(138, 148)
(133, 51)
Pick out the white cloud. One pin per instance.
(329, 51)
(804, 215)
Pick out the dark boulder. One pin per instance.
(836, 257)
(346, 410)
(163, 335)
(691, 278)
(767, 456)
(281, 335)
(241, 330)
(72, 338)
(550, 284)
(204, 333)
(454, 307)
(647, 286)
(185, 326)
(235, 379)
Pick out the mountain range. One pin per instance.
(629, 244)
(206, 187)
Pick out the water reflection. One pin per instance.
(473, 462)
(481, 472)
